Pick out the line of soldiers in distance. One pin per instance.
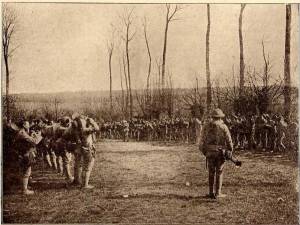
(263, 131)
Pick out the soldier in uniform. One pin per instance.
(125, 131)
(86, 154)
(214, 139)
(198, 127)
(27, 153)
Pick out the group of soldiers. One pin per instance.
(220, 133)
(174, 129)
(266, 132)
(56, 143)
(269, 133)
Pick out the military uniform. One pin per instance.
(48, 152)
(125, 131)
(281, 127)
(215, 137)
(27, 152)
(85, 154)
(198, 127)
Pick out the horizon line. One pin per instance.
(134, 89)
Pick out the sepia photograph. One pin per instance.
(149, 113)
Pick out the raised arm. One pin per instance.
(92, 129)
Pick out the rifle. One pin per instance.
(230, 157)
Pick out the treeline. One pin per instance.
(181, 103)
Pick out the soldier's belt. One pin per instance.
(214, 148)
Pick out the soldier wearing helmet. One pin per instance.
(215, 137)
(27, 152)
(125, 131)
(85, 154)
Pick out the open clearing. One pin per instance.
(147, 183)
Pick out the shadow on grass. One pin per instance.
(44, 186)
(201, 198)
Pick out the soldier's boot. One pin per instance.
(26, 191)
(219, 181)
(77, 175)
(47, 157)
(86, 175)
(77, 171)
(86, 179)
(211, 179)
(68, 175)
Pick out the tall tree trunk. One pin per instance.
(163, 66)
(127, 88)
(122, 89)
(150, 60)
(242, 63)
(7, 88)
(128, 74)
(110, 82)
(287, 74)
(208, 94)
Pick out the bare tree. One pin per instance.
(193, 100)
(267, 66)
(127, 20)
(149, 54)
(110, 49)
(170, 16)
(8, 31)
(209, 91)
(217, 93)
(287, 72)
(122, 89)
(126, 83)
(158, 83)
(266, 89)
(242, 63)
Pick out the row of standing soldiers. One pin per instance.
(272, 133)
(54, 142)
(176, 129)
(57, 142)
(248, 132)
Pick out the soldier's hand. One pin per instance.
(228, 154)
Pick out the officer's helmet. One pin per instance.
(217, 113)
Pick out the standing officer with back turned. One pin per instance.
(216, 138)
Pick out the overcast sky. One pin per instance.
(63, 46)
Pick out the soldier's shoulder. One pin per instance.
(222, 125)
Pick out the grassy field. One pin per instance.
(147, 183)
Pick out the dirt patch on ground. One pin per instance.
(157, 183)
